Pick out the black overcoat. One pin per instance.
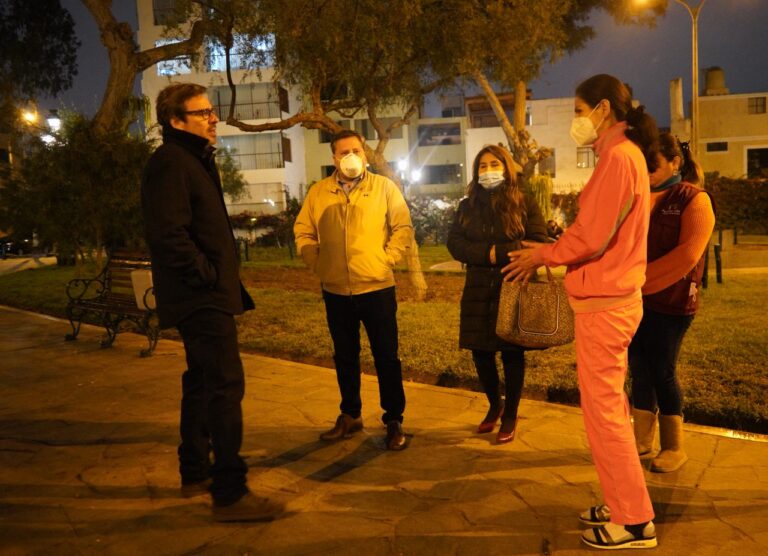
(194, 254)
(475, 229)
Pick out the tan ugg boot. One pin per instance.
(672, 455)
(645, 432)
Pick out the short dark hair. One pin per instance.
(343, 134)
(171, 100)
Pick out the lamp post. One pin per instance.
(694, 13)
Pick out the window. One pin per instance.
(439, 134)
(366, 129)
(326, 137)
(441, 173)
(756, 105)
(717, 147)
(5, 156)
(585, 157)
(547, 166)
(245, 53)
(282, 99)
(176, 66)
(285, 144)
(255, 151)
(254, 101)
(165, 12)
(757, 163)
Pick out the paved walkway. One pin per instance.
(88, 466)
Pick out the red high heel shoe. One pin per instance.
(506, 434)
(489, 423)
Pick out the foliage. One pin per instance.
(279, 226)
(740, 204)
(79, 193)
(38, 48)
(432, 218)
(540, 187)
(232, 181)
(565, 206)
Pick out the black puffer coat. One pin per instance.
(475, 229)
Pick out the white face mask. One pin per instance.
(583, 131)
(351, 166)
(491, 179)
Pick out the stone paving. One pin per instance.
(88, 465)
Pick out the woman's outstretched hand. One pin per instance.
(521, 263)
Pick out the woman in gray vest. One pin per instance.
(682, 220)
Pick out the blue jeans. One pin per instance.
(211, 416)
(377, 311)
(653, 362)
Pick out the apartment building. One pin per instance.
(272, 163)
(733, 128)
(431, 155)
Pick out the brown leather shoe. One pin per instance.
(345, 427)
(395, 438)
(249, 508)
(190, 490)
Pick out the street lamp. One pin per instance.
(694, 13)
(29, 116)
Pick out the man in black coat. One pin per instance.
(198, 290)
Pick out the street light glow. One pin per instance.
(29, 116)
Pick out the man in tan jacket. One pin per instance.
(352, 229)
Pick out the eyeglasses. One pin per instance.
(205, 113)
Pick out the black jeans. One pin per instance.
(378, 313)
(653, 361)
(513, 362)
(211, 417)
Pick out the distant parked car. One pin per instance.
(15, 246)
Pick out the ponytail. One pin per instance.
(690, 170)
(670, 147)
(642, 131)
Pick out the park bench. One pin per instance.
(111, 297)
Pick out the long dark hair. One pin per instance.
(509, 202)
(642, 130)
(670, 147)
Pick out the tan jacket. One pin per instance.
(352, 243)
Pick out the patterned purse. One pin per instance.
(535, 315)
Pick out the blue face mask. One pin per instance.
(491, 179)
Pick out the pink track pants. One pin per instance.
(602, 339)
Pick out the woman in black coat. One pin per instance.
(490, 222)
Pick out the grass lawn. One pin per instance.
(722, 362)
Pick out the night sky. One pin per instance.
(733, 34)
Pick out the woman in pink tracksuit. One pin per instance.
(605, 250)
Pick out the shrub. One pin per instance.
(740, 204)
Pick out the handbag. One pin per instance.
(535, 314)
